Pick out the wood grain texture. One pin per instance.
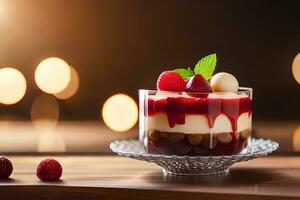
(113, 177)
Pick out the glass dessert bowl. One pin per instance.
(196, 113)
(193, 124)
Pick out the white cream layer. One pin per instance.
(198, 124)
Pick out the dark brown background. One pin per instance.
(121, 46)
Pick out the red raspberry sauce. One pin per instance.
(177, 107)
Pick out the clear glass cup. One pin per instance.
(195, 124)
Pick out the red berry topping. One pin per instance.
(6, 167)
(49, 170)
(170, 81)
(198, 84)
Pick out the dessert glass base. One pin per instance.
(193, 165)
(204, 171)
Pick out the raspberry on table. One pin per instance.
(49, 170)
(6, 167)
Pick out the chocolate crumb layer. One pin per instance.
(197, 144)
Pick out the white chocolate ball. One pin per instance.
(224, 82)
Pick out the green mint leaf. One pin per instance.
(185, 73)
(206, 66)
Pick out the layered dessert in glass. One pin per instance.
(194, 117)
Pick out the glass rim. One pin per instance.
(241, 90)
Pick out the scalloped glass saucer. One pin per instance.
(193, 165)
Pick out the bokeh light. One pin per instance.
(44, 116)
(45, 112)
(72, 87)
(120, 112)
(296, 68)
(5, 12)
(51, 142)
(12, 86)
(296, 140)
(52, 75)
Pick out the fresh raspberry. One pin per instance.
(170, 81)
(6, 167)
(49, 170)
(198, 84)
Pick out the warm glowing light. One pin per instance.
(296, 140)
(120, 112)
(45, 113)
(44, 116)
(72, 87)
(52, 75)
(51, 142)
(3, 11)
(296, 68)
(12, 86)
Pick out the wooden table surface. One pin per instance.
(114, 177)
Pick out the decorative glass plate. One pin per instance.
(193, 165)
